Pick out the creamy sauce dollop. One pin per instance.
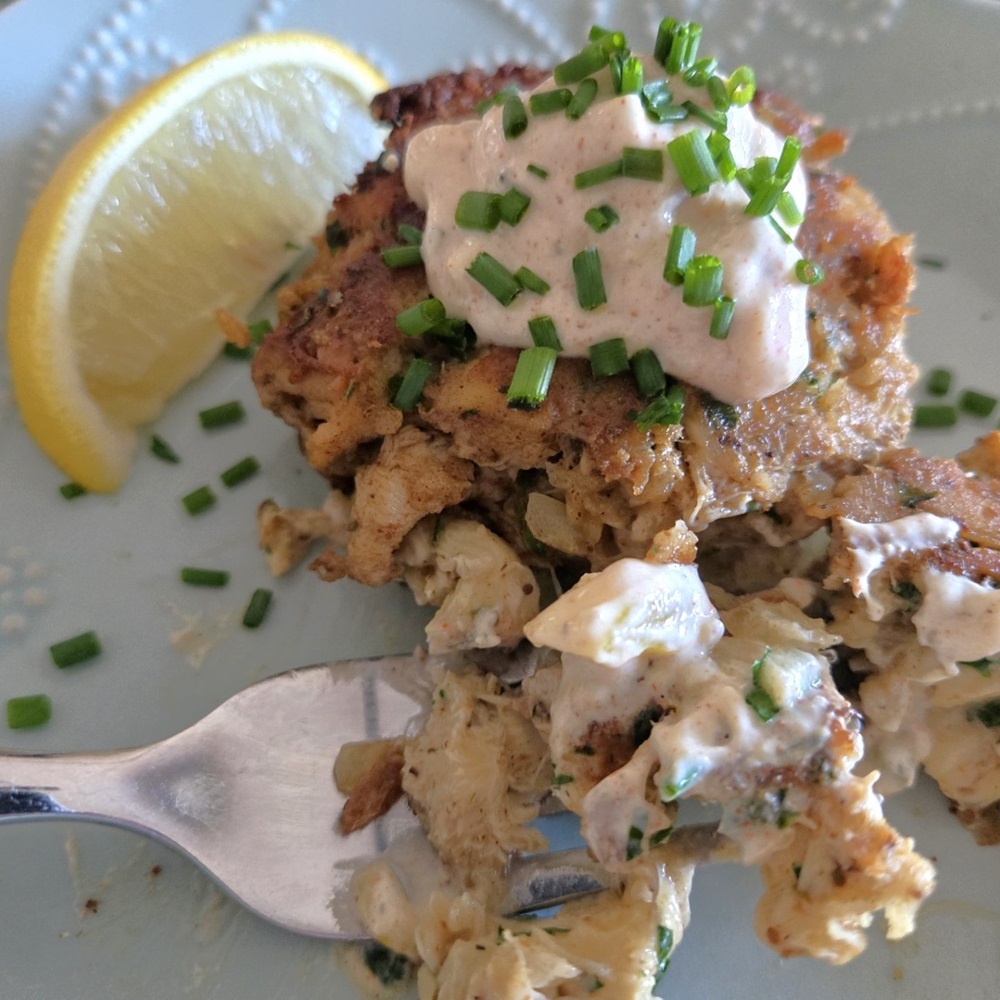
(767, 346)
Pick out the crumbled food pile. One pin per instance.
(760, 601)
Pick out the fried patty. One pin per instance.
(328, 370)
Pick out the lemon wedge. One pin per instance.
(193, 196)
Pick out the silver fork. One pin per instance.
(247, 794)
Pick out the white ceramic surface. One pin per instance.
(916, 82)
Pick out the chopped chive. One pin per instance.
(402, 256)
(222, 415)
(598, 175)
(742, 86)
(809, 273)
(162, 450)
(77, 649)
(666, 409)
(420, 318)
(702, 280)
(978, 404)
(543, 332)
(540, 172)
(758, 699)
(642, 164)
(240, 472)
(256, 610)
(680, 250)
(194, 576)
(559, 779)
(658, 101)
(701, 72)
(515, 118)
(791, 150)
(531, 281)
(609, 357)
(259, 330)
(722, 154)
(713, 119)
(764, 193)
(693, 160)
(198, 501)
(410, 234)
(613, 42)
(512, 206)
(495, 278)
(786, 237)
(532, 375)
(988, 713)
(789, 211)
(411, 387)
(718, 93)
(29, 710)
(72, 490)
(497, 99)
(939, 382)
(586, 62)
(648, 373)
(600, 218)
(934, 263)
(935, 415)
(548, 102)
(664, 39)
(582, 99)
(722, 317)
(633, 844)
(478, 210)
(631, 76)
(684, 47)
(237, 353)
(589, 279)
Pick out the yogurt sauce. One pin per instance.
(767, 346)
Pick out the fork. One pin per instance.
(247, 793)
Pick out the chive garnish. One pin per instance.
(411, 387)
(633, 842)
(680, 250)
(410, 234)
(791, 150)
(72, 490)
(256, 610)
(420, 318)
(222, 415)
(559, 779)
(548, 102)
(642, 164)
(531, 281)
(515, 118)
(512, 206)
(600, 218)
(666, 409)
(742, 86)
(648, 374)
(701, 72)
(808, 272)
(720, 148)
(589, 279)
(757, 698)
(28, 710)
(693, 160)
(664, 39)
(240, 472)
(718, 93)
(939, 382)
(162, 450)
(496, 99)
(715, 120)
(702, 280)
(722, 317)
(543, 332)
(683, 47)
(540, 172)
(988, 713)
(609, 357)
(789, 211)
(532, 375)
(77, 649)
(598, 175)
(630, 75)
(237, 353)
(786, 237)
(198, 501)
(658, 103)
(402, 256)
(578, 67)
(495, 278)
(194, 576)
(259, 330)
(582, 99)
(478, 210)
(978, 404)
(934, 415)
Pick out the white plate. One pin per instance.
(914, 79)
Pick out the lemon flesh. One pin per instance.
(195, 195)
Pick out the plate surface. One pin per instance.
(914, 80)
